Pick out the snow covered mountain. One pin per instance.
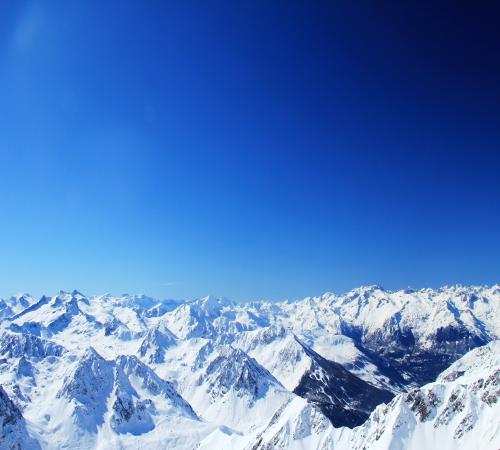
(158, 339)
(359, 370)
(458, 411)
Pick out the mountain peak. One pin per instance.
(213, 303)
(366, 290)
(157, 340)
(233, 369)
(75, 293)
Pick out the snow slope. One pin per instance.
(461, 410)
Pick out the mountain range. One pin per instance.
(371, 368)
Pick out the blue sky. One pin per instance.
(247, 149)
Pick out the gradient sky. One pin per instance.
(248, 149)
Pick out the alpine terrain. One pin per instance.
(369, 369)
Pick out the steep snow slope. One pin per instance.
(458, 411)
(297, 425)
(278, 350)
(343, 397)
(344, 350)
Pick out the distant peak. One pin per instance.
(369, 289)
(20, 295)
(213, 302)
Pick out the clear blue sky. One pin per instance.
(247, 149)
